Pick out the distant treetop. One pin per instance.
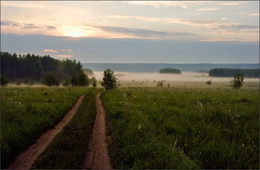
(170, 70)
(228, 72)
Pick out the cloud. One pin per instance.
(238, 28)
(35, 5)
(195, 13)
(211, 24)
(67, 50)
(207, 9)
(150, 34)
(133, 31)
(50, 50)
(63, 56)
(10, 23)
(158, 4)
(30, 26)
(232, 3)
(254, 14)
(25, 25)
(50, 27)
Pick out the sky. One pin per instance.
(133, 31)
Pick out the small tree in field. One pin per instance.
(109, 80)
(238, 81)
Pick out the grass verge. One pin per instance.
(68, 149)
(28, 112)
(181, 128)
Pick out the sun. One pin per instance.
(73, 31)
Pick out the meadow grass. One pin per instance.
(28, 112)
(68, 149)
(183, 128)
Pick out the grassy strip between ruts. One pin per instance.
(68, 149)
(171, 128)
(28, 112)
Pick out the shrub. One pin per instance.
(4, 80)
(50, 80)
(18, 82)
(66, 83)
(94, 84)
(159, 84)
(26, 80)
(238, 81)
(208, 82)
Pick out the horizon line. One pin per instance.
(161, 63)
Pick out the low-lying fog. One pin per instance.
(183, 77)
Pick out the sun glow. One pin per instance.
(73, 31)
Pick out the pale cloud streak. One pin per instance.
(254, 14)
(195, 23)
(151, 34)
(232, 3)
(63, 56)
(207, 9)
(50, 50)
(67, 50)
(26, 25)
(158, 4)
(220, 28)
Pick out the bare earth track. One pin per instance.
(97, 156)
(27, 158)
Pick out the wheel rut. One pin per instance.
(25, 159)
(97, 155)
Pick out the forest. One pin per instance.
(35, 67)
(228, 72)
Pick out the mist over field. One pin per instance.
(183, 77)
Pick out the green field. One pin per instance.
(169, 127)
(183, 128)
(28, 112)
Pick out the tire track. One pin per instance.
(97, 156)
(27, 158)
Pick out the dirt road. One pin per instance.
(26, 158)
(97, 156)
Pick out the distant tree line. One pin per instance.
(170, 70)
(228, 72)
(42, 69)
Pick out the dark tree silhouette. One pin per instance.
(82, 79)
(50, 80)
(34, 67)
(109, 80)
(238, 81)
(4, 80)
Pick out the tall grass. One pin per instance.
(183, 128)
(68, 149)
(28, 112)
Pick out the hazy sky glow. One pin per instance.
(168, 21)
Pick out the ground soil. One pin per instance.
(27, 158)
(97, 156)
